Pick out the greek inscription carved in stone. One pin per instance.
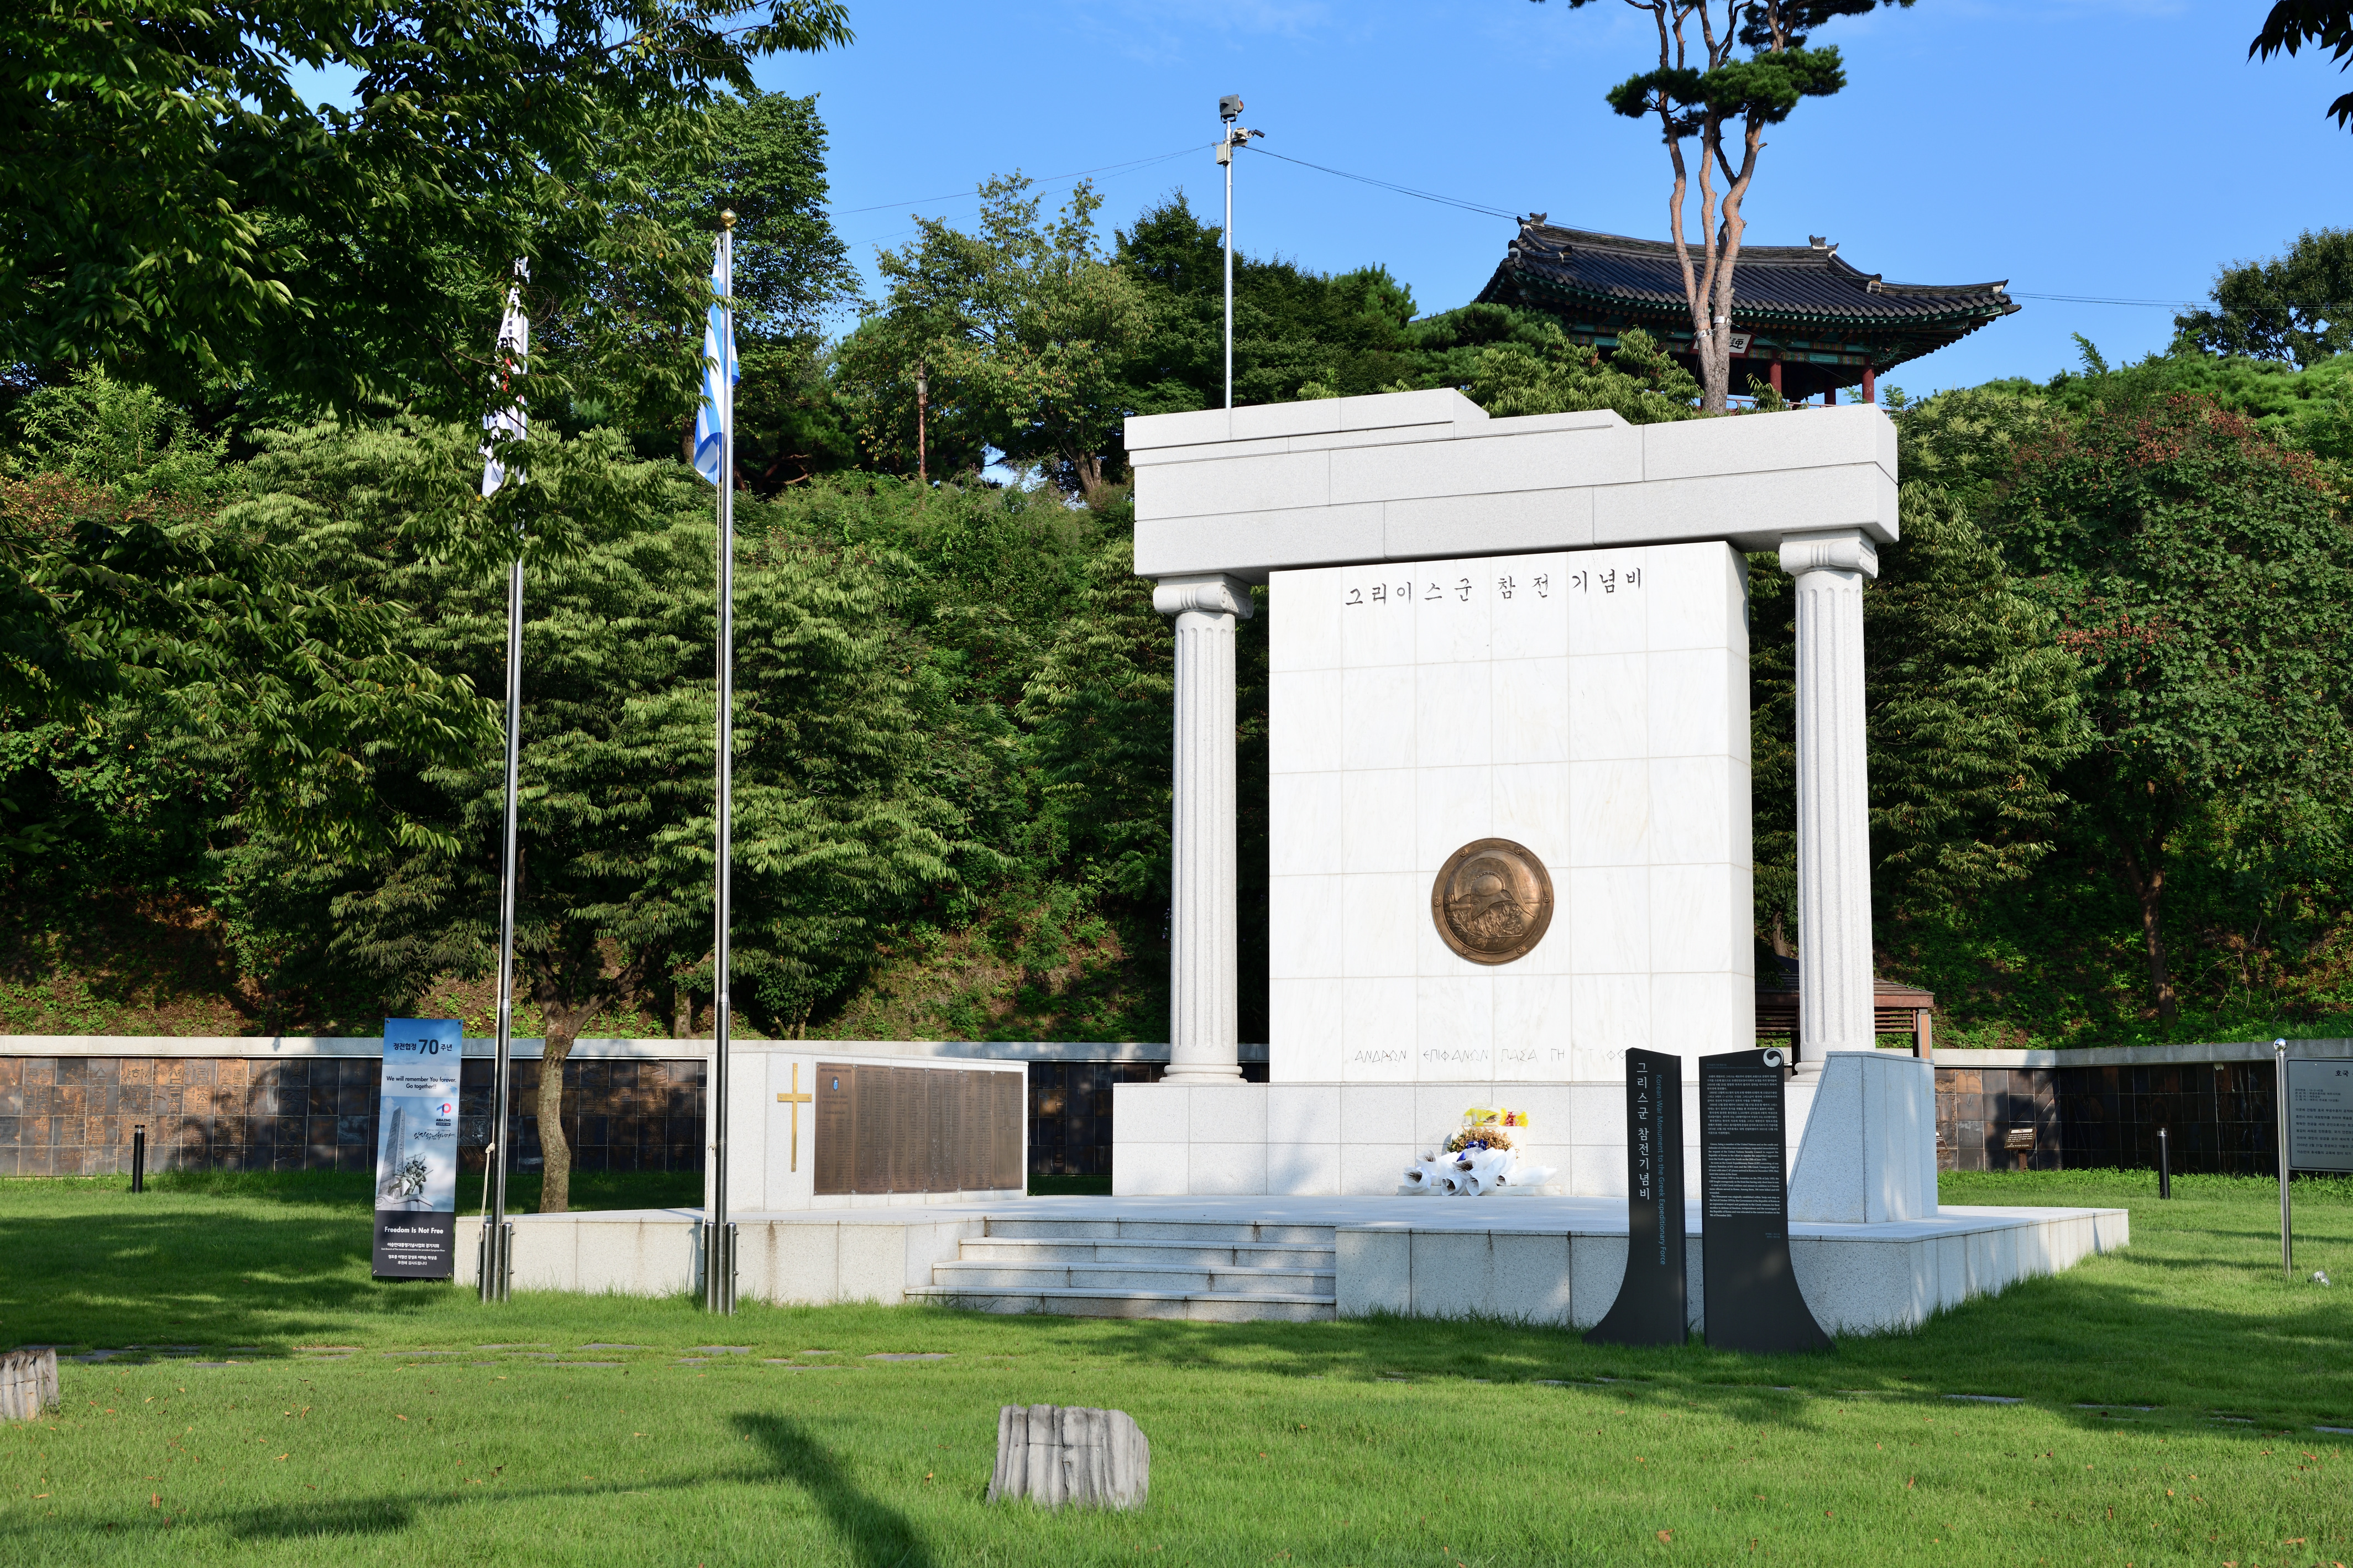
(1491, 902)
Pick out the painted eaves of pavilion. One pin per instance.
(1803, 319)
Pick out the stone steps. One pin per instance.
(1223, 1254)
(1199, 1271)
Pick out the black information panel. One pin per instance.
(1653, 1306)
(415, 1245)
(1753, 1301)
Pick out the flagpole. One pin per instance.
(495, 1269)
(719, 1246)
(496, 1264)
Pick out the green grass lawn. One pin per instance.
(358, 1422)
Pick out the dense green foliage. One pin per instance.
(249, 772)
(176, 210)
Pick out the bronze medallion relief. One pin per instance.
(1491, 902)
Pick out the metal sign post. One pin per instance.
(2279, 1093)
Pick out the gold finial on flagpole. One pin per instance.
(727, 219)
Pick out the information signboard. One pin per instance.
(1752, 1296)
(417, 1150)
(2320, 1113)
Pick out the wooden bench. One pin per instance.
(1897, 1009)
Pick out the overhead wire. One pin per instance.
(2175, 304)
(1392, 185)
(1042, 178)
(1485, 210)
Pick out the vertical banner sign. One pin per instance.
(2320, 1115)
(1653, 1302)
(1752, 1297)
(417, 1152)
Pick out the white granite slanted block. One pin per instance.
(1869, 1154)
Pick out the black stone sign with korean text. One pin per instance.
(1653, 1306)
(1752, 1298)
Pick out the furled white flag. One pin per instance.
(718, 359)
(509, 420)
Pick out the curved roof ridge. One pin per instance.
(1542, 236)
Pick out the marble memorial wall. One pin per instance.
(1590, 706)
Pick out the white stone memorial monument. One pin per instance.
(1509, 814)
(1509, 835)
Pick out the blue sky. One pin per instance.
(2111, 148)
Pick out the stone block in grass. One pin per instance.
(1072, 1456)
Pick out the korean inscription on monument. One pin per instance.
(1652, 1304)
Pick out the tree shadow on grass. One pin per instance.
(880, 1535)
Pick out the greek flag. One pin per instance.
(509, 420)
(718, 359)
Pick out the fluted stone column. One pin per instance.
(1203, 918)
(1833, 803)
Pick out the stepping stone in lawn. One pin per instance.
(535, 1345)
(1986, 1398)
(602, 1346)
(915, 1355)
(2340, 1431)
(720, 1350)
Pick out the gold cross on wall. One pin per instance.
(795, 1099)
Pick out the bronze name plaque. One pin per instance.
(1491, 902)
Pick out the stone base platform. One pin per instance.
(1540, 1260)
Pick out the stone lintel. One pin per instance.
(1428, 475)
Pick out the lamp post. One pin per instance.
(1230, 108)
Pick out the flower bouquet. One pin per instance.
(1478, 1159)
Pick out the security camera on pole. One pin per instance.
(1230, 108)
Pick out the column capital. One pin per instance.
(1215, 593)
(1832, 550)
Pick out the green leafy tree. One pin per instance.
(2297, 307)
(838, 827)
(2324, 24)
(2202, 576)
(1971, 716)
(1700, 86)
(132, 609)
(1100, 709)
(174, 209)
(1297, 333)
(1020, 333)
(765, 161)
(761, 157)
(1638, 381)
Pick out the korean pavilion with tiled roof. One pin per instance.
(1803, 319)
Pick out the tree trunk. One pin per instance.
(2149, 890)
(563, 1028)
